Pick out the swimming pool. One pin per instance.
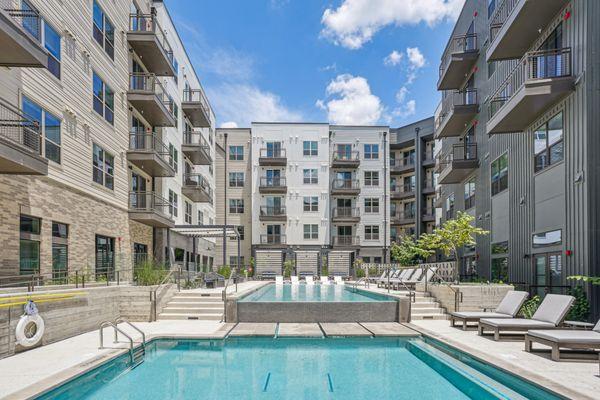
(308, 293)
(277, 368)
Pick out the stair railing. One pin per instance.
(458, 295)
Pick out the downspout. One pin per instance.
(385, 183)
(225, 199)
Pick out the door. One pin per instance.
(105, 257)
(344, 151)
(273, 233)
(138, 192)
(549, 63)
(548, 273)
(273, 205)
(274, 149)
(273, 177)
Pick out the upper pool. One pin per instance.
(312, 293)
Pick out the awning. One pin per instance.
(207, 231)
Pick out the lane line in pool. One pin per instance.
(330, 382)
(267, 382)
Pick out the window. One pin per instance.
(311, 176)
(51, 41)
(500, 174)
(500, 269)
(104, 98)
(371, 151)
(470, 193)
(29, 245)
(491, 8)
(372, 205)
(173, 157)
(311, 231)
(310, 148)
(548, 143)
(49, 128)
(236, 206)
(233, 261)
(200, 218)
(173, 203)
(450, 206)
(236, 179)
(371, 178)
(311, 203)
(103, 165)
(60, 234)
(187, 216)
(550, 238)
(500, 248)
(103, 31)
(140, 253)
(236, 153)
(371, 232)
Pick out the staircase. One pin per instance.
(426, 307)
(191, 305)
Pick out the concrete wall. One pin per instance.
(473, 297)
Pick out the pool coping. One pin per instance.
(525, 374)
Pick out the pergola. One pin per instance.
(211, 231)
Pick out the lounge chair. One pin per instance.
(279, 280)
(325, 280)
(508, 308)
(393, 275)
(310, 280)
(565, 338)
(549, 315)
(338, 280)
(375, 279)
(410, 276)
(295, 280)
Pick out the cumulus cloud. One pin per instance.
(404, 107)
(351, 102)
(229, 125)
(415, 57)
(393, 58)
(355, 22)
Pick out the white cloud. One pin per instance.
(404, 108)
(330, 67)
(351, 101)
(355, 22)
(393, 58)
(415, 57)
(229, 124)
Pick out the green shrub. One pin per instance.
(581, 307)
(373, 271)
(148, 273)
(288, 267)
(225, 271)
(324, 270)
(360, 273)
(530, 307)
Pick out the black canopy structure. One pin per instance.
(211, 231)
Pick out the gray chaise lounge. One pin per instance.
(549, 315)
(565, 338)
(508, 308)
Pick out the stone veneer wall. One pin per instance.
(474, 297)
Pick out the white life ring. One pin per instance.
(30, 330)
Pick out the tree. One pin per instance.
(408, 252)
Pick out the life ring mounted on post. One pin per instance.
(30, 328)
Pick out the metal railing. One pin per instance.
(403, 162)
(198, 181)
(429, 184)
(429, 212)
(19, 128)
(150, 84)
(428, 155)
(272, 239)
(191, 138)
(272, 152)
(159, 291)
(500, 16)
(540, 64)
(148, 23)
(345, 184)
(403, 189)
(345, 212)
(459, 152)
(404, 215)
(272, 211)
(28, 18)
(272, 182)
(197, 96)
(341, 240)
(149, 202)
(346, 156)
(77, 279)
(466, 97)
(458, 44)
(139, 140)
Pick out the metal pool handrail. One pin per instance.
(365, 279)
(117, 329)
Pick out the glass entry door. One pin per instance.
(105, 257)
(548, 274)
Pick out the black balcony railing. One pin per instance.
(19, 128)
(195, 180)
(460, 152)
(345, 212)
(403, 189)
(403, 162)
(273, 182)
(466, 97)
(191, 138)
(148, 202)
(148, 23)
(140, 140)
(272, 239)
(458, 44)
(346, 156)
(274, 152)
(500, 16)
(24, 15)
(343, 240)
(149, 83)
(404, 215)
(345, 184)
(272, 211)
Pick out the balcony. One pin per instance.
(428, 187)
(272, 239)
(401, 165)
(272, 213)
(20, 33)
(149, 153)
(345, 159)
(345, 241)
(345, 214)
(272, 157)
(403, 217)
(345, 187)
(195, 106)
(196, 148)
(428, 158)
(20, 143)
(540, 80)
(439, 197)
(457, 61)
(458, 109)
(148, 96)
(458, 163)
(428, 215)
(272, 185)
(150, 209)
(402, 191)
(196, 188)
(516, 24)
(149, 41)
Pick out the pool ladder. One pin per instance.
(136, 355)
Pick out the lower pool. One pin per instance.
(312, 293)
(277, 368)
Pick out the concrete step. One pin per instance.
(205, 304)
(186, 316)
(170, 309)
(430, 310)
(431, 304)
(199, 294)
(185, 297)
(428, 316)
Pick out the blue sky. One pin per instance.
(290, 60)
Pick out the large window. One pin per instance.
(236, 179)
(371, 178)
(311, 231)
(371, 205)
(29, 245)
(500, 174)
(51, 42)
(371, 232)
(173, 157)
(550, 238)
(173, 203)
(187, 216)
(103, 31)
(548, 143)
(103, 164)
(371, 151)
(60, 250)
(470, 193)
(49, 128)
(104, 99)
(236, 153)
(236, 206)
(310, 176)
(311, 203)
(310, 148)
(200, 218)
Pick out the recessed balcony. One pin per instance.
(150, 209)
(458, 109)
(345, 214)
(20, 33)
(402, 165)
(428, 186)
(274, 239)
(458, 61)
(148, 96)
(149, 41)
(345, 159)
(403, 217)
(272, 213)
(428, 158)
(20, 143)
(272, 185)
(150, 154)
(458, 163)
(540, 80)
(345, 187)
(400, 192)
(428, 215)
(516, 24)
(195, 105)
(270, 157)
(345, 241)
(196, 148)
(196, 188)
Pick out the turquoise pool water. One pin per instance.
(276, 368)
(303, 293)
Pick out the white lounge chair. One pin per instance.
(565, 338)
(338, 280)
(295, 280)
(279, 280)
(325, 280)
(508, 308)
(310, 280)
(549, 315)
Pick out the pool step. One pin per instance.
(187, 305)
(190, 316)
(192, 310)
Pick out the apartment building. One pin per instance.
(518, 122)
(105, 141)
(412, 180)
